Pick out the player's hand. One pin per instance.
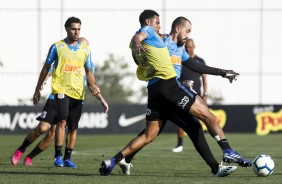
(95, 90)
(139, 48)
(229, 74)
(36, 97)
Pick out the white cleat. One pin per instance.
(224, 170)
(125, 167)
(177, 149)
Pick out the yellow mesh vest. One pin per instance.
(154, 63)
(68, 76)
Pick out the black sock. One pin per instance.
(68, 152)
(118, 157)
(24, 145)
(58, 151)
(214, 168)
(223, 143)
(34, 152)
(179, 141)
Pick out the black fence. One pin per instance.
(262, 120)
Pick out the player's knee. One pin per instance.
(41, 130)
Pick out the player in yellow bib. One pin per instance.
(72, 61)
(167, 94)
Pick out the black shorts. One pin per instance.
(49, 113)
(187, 122)
(69, 109)
(166, 95)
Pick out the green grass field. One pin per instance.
(154, 164)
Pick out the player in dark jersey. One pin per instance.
(165, 92)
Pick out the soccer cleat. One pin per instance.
(231, 156)
(27, 161)
(224, 170)
(69, 163)
(16, 157)
(177, 149)
(58, 162)
(125, 167)
(106, 167)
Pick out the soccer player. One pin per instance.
(195, 79)
(186, 121)
(70, 58)
(190, 124)
(47, 123)
(165, 92)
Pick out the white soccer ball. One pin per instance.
(263, 165)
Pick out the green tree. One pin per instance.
(113, 78)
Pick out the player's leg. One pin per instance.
(194, 130)
(136, 144)
(41, 146)
(45, 118)
(125, 164)
(153, 124)
(180, 135)
(62, 102)
(41, 128)
(189, 102)
(48, 115)
(201, 110)
(75, 112)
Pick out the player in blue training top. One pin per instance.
(191, 125)
(166, 93)
(47, 124)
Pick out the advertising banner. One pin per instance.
(262, 119)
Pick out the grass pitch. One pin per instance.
(155, 164)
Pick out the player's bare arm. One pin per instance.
(95, 90)
(44, 72)
(136, 42)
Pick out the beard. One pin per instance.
(181, 42)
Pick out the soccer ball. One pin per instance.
(263, 165)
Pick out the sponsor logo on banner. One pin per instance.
(21, 119)
(220, 118)
(125, 122)
(24, 120)
(91, 120)
(268, 122)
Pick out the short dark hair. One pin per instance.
(179, 21)
(147, 14)
(72, 20)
